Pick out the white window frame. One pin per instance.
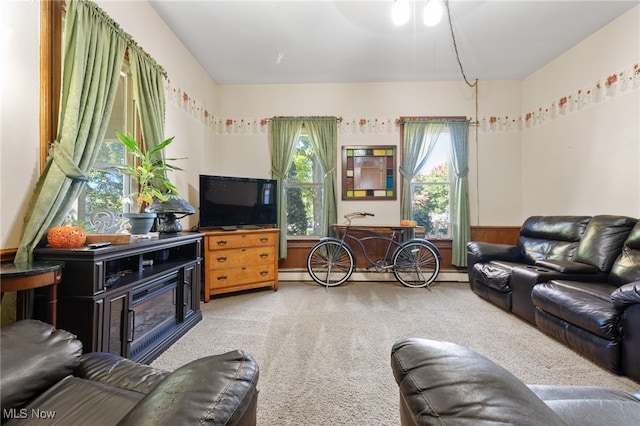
(315, 186)
(442, 229)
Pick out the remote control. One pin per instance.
(98, 245)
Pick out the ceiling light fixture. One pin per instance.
(433, 12)
(400, 12)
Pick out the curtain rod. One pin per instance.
(338, 119)
(439, 117)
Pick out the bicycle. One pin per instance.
(414, 263)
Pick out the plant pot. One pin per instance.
(141, 223)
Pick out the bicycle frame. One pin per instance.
(414, 263)
(392, 245)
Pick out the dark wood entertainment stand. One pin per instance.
(135, 299)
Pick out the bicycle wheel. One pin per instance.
(330, 263)
(416, 264)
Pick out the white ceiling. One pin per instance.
(303, 41)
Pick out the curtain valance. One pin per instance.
(99, 14)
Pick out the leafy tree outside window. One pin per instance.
(304, 191)
(431, 191)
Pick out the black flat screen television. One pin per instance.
(237, 202)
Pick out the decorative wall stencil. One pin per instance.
(606, 88)
(369, 173)
(602, 90)
(174, 95)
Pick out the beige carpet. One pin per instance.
(324, 354)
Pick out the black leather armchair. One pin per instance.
(43, 374)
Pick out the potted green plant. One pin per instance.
(153, 184)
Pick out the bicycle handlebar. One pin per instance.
(356, 214)
(353, 215)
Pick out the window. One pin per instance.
(431, 191)
(106, 187)
(304, 191)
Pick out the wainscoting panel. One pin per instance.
(297, 249)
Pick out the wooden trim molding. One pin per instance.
(496, 234)
(297, 249)
(50, 73)
(7, 255)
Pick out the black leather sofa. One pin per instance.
(575, 265)
(549, 247)
(598, 318)
(444, 383)
(45, 379)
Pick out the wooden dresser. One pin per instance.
(240, 260)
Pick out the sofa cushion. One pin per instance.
(75, 401)
(626, 268)
(602, 240)
(113, 370)
(572, 403)
(585, 305)
(35, 356)
(551, 237)
(567, 266)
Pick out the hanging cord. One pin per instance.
(455, 47)
(476, 122)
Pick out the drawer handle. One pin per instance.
(263, 273)
(221, 242)
(264, 255)
(264, 239)
(221, 259)
(221, 277)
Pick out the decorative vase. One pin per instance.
(141, 223)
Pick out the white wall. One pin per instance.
(188, 85)
(384, 101)
(19, 146)
(586, 160)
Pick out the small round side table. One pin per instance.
(23, 276)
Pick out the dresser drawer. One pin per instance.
(234, 258)
(219, 242)
(238, 276)
(240, 260)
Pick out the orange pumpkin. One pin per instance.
(66, 236)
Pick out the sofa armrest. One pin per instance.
(626, 295)
(447, 382)
(478, 251)
(441, 382)
(113, 370)
(218, 389)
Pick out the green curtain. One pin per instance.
(420, 138)
(459, 131)
(323, 132)
(94, 50)
(285, 131)
(148, 89)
